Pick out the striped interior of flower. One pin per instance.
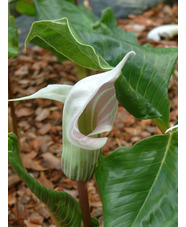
(100, 112)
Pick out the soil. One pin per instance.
(40, 121)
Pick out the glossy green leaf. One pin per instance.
(107, 25)
(95, 222)
(60, 36)
(148, 84)
(142, 89)
(139, 185)
(13, 42)
(26, 7)
(100, 44)
(56, 9)
(82, 19)
(64, 209)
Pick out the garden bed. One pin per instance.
(40, 121)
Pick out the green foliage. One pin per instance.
(13, 43)
(26, 7)
(64, 209)
(81, 18)
(60, 36)
(94, 222)
(139, 185)
(142, 87)
(107, 25)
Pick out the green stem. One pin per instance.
(83, 199)
(83, 72)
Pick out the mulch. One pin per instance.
(40, 121)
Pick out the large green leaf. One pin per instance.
(13, 42)
(26, 7)
(56, 9)
(139, 185)
(64, 209)
(107, 25)
(142, 89)
(147, 95)
(82, 18)
(60, 36)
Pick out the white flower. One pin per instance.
(90, 108)
(166, 31)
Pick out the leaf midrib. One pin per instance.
(150, 190)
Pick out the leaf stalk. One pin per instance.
(84, 203)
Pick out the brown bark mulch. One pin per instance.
(40, 121)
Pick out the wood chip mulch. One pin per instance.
(40, 121)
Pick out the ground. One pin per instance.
(40, 121)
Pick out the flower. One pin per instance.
(165, 31)
(90, 108)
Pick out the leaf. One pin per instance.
(142, 87)
(148, 84)
(64, 209)
(95, 222)
(54, 33)
(82, 19)
(56, 9)
(139, 185)
(13, 43)
(145, 76)
(107, 25)
(26, 7)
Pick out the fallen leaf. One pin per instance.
(44, 181)
(133, 130)
(29, 224)
(11, 199)
(24, 112)
(36, 218)
(146, 122)
(73, 193)
(96, 204)
(36, 144)
(46, 143)
(24, 125)
(26, 58)
(97, 212)
(145, 134)
(45, 129)
(42, 210)
(43, 115)
(51, 161)
(13, 179)
(135, 139)
(39, 65)
(56, 148)
(129, 121)
(22, 71)
(30, 163)
(151, 129)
